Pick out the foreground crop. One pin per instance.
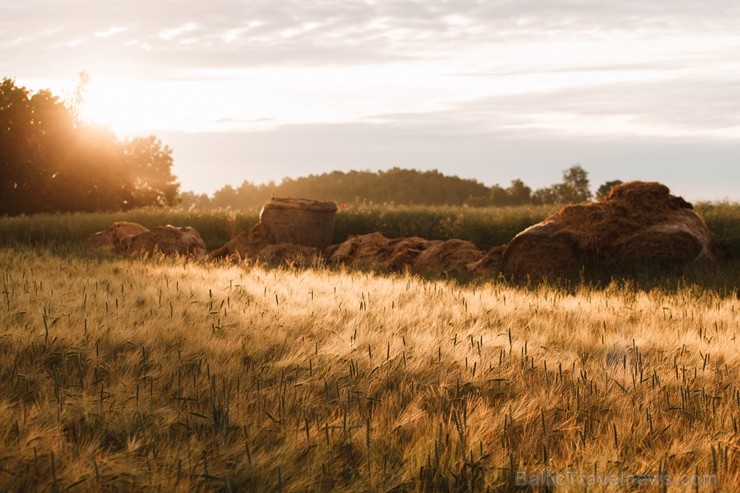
(128, 374)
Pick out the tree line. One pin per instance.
(51, 161)
(402, 187)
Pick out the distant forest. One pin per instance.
(51, 161)
(402, 187)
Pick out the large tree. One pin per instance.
(51, 161)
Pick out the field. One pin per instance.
(124, 374)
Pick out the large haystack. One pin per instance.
(637, 224)
(115, 239)
(299, 221)
(168, 240)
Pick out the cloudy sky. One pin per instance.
(494, 90)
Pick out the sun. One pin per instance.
(125, 106)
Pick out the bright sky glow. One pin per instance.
(489, 90)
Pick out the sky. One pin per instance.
(493, 90)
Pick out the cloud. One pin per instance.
(177, 32)
(232, 34)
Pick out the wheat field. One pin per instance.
(178, 375)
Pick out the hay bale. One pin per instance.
(539, 252)
(115, 239)
(638, 223)
(447, 257)
(168, 240)
(299, 221)
(683, 237)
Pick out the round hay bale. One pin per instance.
(169, 240)
(115, 239)
(541, 252)
(299, 221)
(595, 226)
(447, 257)
(638, 223)
(682, 238)
(659, 249)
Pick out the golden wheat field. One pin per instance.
(176, 375)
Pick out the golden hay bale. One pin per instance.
(168, 240)
(682, 238)
(541, 255)
(657, 249)
(637, 223)
(447, 257)
(299, 221)
(115, 239)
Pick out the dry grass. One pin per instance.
(169, 375)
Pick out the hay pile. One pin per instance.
(244, 245)
(254, 247)
(637, 224)
(115, 239)
(413, 254)
(299, 221)
(168, 240)
(132, 238)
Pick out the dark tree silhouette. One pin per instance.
(51, 161)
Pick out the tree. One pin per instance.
(574, 187)
(519, 193)
(604, 189)
(545, 196)
(51, 161)
(498, 195)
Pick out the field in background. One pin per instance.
(485, 227)
(122, 374)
